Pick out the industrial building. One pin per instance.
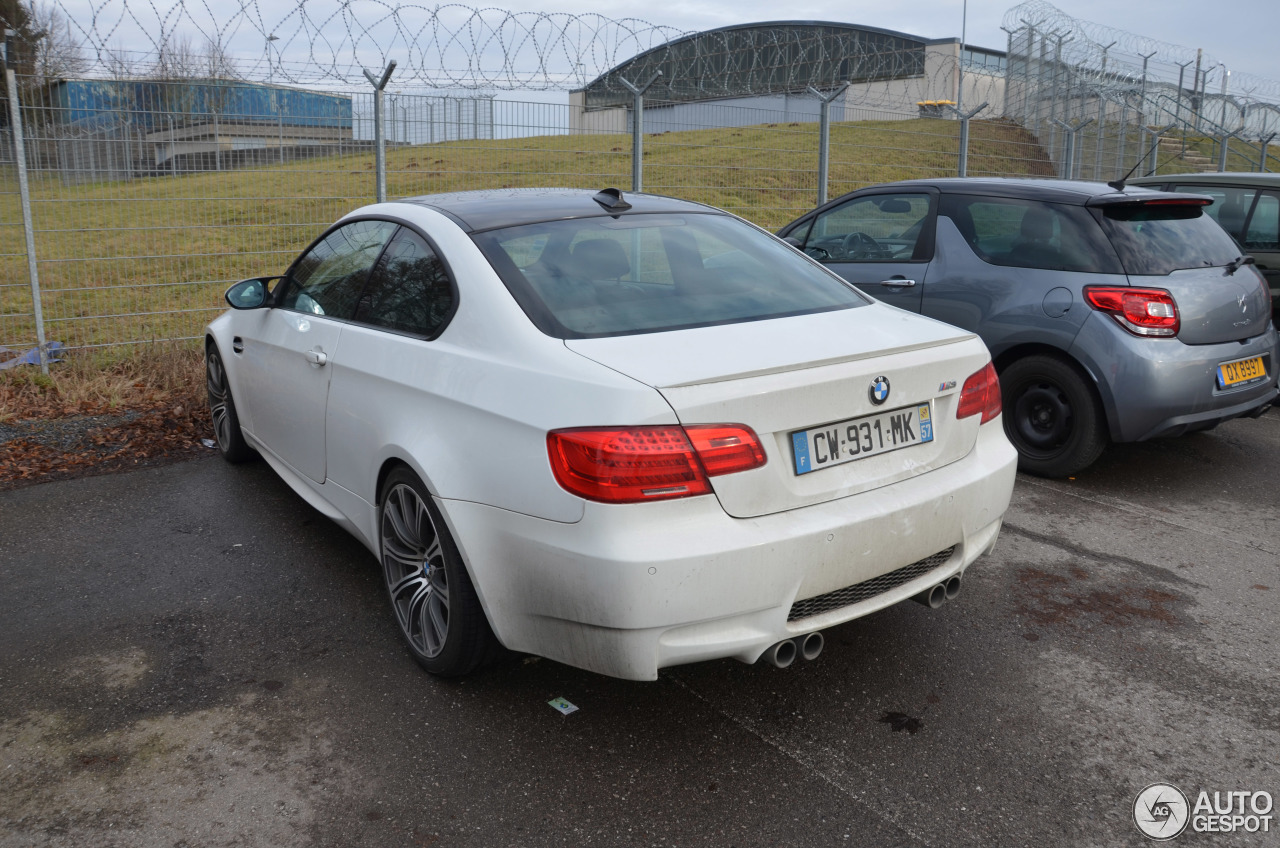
(758, 73)
(118, 128)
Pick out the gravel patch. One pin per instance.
(60, 433)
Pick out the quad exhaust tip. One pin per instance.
(953, 587)
(781, 655)
(811, 645)
(784, 653)
(808, 647)
(938, 595)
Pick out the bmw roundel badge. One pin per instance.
(879, 390)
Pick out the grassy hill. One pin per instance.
(146, 259)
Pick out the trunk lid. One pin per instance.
(1166, 241)
(808, 373)
(1215, 307)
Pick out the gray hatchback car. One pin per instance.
(1111, 315)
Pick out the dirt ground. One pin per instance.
(45, 436)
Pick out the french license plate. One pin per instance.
(857, 438)
(1241, 371)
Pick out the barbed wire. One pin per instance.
(1116, 56)
(330, 43)
(318, 42)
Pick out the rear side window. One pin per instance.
(605, 276)
(1157, 239)
(1264, 225)
(409, 290)
(1031, 234)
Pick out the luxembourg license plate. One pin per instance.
(857, 438)
(1241, 371)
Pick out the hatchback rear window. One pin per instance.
(1155, 239)
(607, 276)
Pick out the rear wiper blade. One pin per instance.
(1238, 263)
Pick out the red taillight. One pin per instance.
(980, 395)
(632, 464)
(1143, 312)
(726, 448)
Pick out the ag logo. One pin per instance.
(1161, 811)
(879, 390)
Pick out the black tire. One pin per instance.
(432, 598)
(1052, 416)
(222, 409)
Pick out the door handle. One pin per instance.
(898, 283)
(317, 357)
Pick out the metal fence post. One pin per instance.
(1069, 154)
(1124, 135)
(962, 169)
(1262, 160)
(28, 224)
(1222, 152)
(824, 137)
(379, 138)
(637, 129)
(1008, 68)
(1152, 155)
(1142, 95)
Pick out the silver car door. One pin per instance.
(286, 367)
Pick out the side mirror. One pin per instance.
(248, 294)
(794, 242)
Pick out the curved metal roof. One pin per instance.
(763, 58)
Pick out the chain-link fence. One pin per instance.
(1103, 101)
(143, 216)
(148, 197)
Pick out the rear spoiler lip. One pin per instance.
(1150, 198)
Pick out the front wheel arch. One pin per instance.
(227, 431)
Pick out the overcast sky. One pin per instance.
(1242, 33)
(1239, 33)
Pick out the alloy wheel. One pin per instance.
(414, 569)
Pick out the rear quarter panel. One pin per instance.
(1006, 306)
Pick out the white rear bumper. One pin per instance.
(633, 588)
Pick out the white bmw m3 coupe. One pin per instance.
(623, 432)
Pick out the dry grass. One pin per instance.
(92, 383)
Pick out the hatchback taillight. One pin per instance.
(633, 464)
(980, 395)
(1143, 312)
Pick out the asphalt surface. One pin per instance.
(191, 656)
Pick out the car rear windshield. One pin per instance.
(612, 276)
(1154, 239)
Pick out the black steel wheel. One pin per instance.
(222, 408)
(1052, 416)
(432, 597)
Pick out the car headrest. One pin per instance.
(1037, 224)
(601, 259)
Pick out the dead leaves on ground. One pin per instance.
(146, 437)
